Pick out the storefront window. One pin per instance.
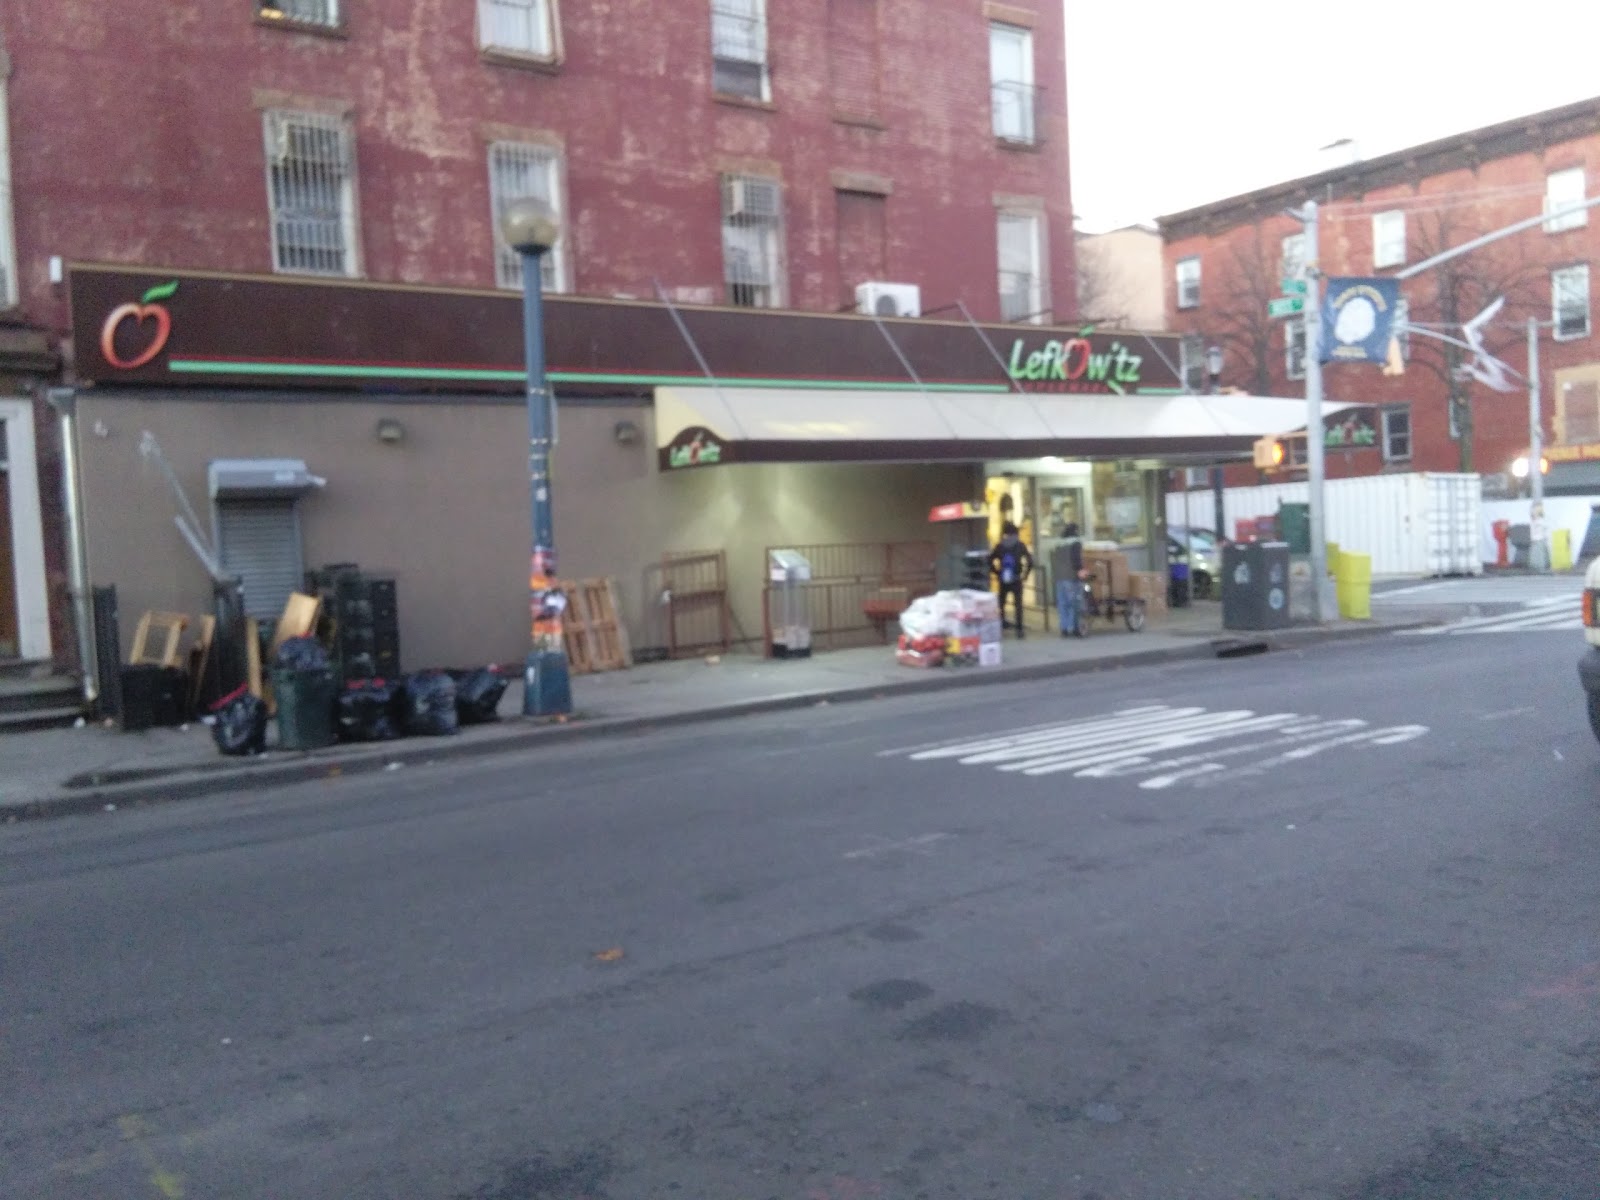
(1119, 507)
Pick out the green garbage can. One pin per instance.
(305, 708)
(1294, 526)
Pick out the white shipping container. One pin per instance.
(1426, 523)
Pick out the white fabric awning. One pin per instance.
(701, 426)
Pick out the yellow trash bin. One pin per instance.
(1354, 586)
(1561, 549)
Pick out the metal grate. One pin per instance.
(304, 12)
(520, 25)
(1569, 289)
(1021, 266)
(752, 238)
(739, 48)
(517, 170)
(310, 185)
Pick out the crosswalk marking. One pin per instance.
(1149, 741)
(1559, 612)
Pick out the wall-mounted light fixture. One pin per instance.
(626, 433)
(390, 432)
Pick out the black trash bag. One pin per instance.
(301, 654)
(365, 712)
(240, 723)
(478, 695)
(430, 705)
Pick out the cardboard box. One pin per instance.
(1151, 587)
(1098, 562)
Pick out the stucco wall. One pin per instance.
(446, 511)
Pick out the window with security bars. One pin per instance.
(1020, 237)
(1011, 82)
(521, 26)
(1397, 434)
(311, 189)
(739, 48)
(752, 241)
(1569, 299)
(1562, 190)
(1294, 349)
(517, 170)
(302, 12)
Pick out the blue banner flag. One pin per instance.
(1358, 320)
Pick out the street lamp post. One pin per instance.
(531, 228)
(1538, 557)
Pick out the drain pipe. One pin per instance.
(65, 401)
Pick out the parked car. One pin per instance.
(1207, 565)
(1589, 664)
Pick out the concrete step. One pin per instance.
(38, 718)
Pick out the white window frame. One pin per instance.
(738, 44)
(329, 187)
(9, 284)
(1035, 288)
(525, 27)
(1294, 334)
(1012, 93)
(1563, 189)
(508, 163)
(762, 233)
(1186, 271)
(1292, 256)
(324, 14)
(1568, 284)
(1391, 436)
(1388, 238)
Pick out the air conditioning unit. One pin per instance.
(889, 299)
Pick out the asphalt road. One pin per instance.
(1302, 925)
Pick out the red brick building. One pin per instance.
(725, 152)
(1224, 262)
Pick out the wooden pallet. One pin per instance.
(595, 637)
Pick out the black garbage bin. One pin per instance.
(1255, 585)
(305, 700)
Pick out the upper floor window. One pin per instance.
(8, 242)
(517, 170)
(1397, 433)
(1188, 273)
(739, 49)
(1292, 263)
(752, 241)
(302, 12)
(1020, 237)
(311, 190)
(1563, 189)
(1569, 301)
(520, 26)
(1388, 238)
(1011, 82)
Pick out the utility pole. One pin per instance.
(1320, 610)
(1538, 557)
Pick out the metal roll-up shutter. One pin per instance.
(260, 543)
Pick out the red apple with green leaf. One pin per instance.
(147, 309)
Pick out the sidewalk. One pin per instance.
(61, 771)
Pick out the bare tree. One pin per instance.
(1239, 320)
(1100, 299)
(1453, 293)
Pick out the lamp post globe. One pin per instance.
(529, 225)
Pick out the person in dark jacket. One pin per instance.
(1069, 588)
(1010, 564)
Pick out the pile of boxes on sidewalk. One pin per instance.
(955, 628)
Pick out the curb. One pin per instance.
(342, 762)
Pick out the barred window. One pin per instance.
(1020, 238)
(739, 48)
(517, 170)
(1294, 348)
(752, 241)
(302, 12)
(311, 190)
(522, 26)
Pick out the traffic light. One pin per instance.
(1270, 453)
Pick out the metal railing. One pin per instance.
(1015, 105)
(856, 590)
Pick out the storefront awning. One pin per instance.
(706, 426)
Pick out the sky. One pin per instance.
(1175, 103)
